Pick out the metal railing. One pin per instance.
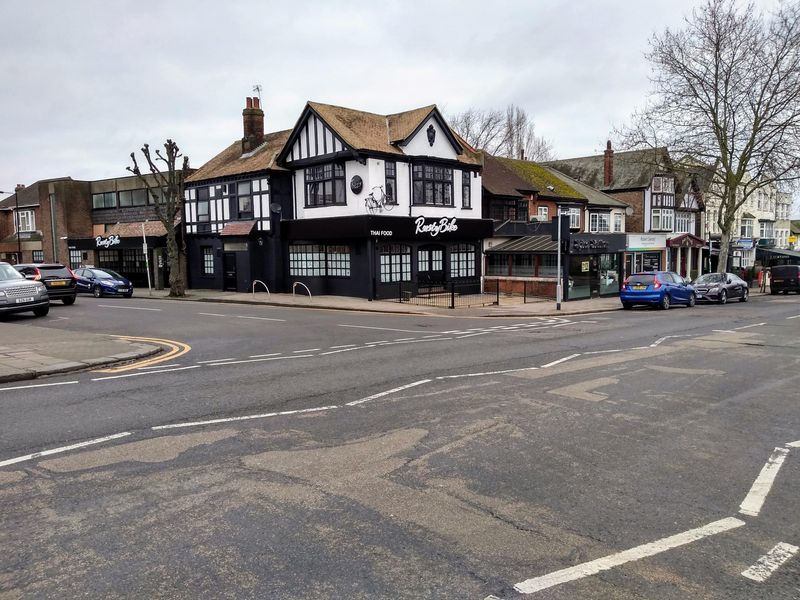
(262, 283)
(447, 294)
(296, 283)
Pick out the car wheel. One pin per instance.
(69, 301)
(692, 300)
(665, 302)
(723, 297)
(98, 293)
(745, 295)
(627, 305)
(41, 311)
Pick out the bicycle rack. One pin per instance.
(265, 287)
(296, 283)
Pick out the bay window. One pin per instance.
(661, 219)
(598, 222)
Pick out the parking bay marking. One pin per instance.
(535, 584)
(36, 385)
(107, 438)
(769, 563)
(755, 498)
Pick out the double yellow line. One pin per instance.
(175, 349)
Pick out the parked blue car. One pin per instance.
(659, 289)
(102, 282)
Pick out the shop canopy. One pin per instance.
(542, 244)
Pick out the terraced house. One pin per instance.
(347, 202)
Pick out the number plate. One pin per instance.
(778, 280)
(639, 287)
(123, 290)
(58, 283)
(21, 300)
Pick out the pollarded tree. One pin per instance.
(726, 92)
(165, 188)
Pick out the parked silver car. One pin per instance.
(17, 294)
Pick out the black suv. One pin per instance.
(58, 279)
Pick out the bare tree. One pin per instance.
(726, 92)
(509, 133)
(165, 188)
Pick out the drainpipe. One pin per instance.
(52, 199)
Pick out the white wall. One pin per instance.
(419, 146)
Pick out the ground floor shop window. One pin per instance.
(462, 261)
(319, 260)
(580, 277)
(548, 267)
(38, 256)
(395, 262)
(208, 260)
(75, 258)
(430, 259)
(609, 274)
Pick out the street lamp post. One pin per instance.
(16, 223)
(560, 279)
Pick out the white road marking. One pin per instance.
(794, 444)
(202, 362)
(128, 307)
(264, 355)
(769, 563)
(145, 373)
(212, 315)
(349, 345)
(461, 337)
(609, 351)
(563, 324)
(397, 340)
(487, 373)
(36, 385)
(560, 360)
(159, 366)
(255, 360)
(342, 350)
(723, 331)
(763, 484)
(12, 461)
(244, 418)
(382, 328)
(261, 318)
(749, 326)
(388, 392)
(306, 350)
(794, 317)
(593, 567)
(666, 337)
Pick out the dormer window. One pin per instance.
(325, 185)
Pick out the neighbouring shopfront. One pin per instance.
(645, 252)
(120, 251)
(373, 256)
(595, 263)
(686, 255)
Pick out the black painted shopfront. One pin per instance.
(372, 256)
(124, 255)
(595, 264)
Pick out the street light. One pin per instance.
(559, 288)
(16, 223)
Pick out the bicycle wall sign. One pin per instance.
(434, 228)
(107, 242)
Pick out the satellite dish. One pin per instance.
(275, 207)
(628, 211)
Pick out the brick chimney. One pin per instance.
(253, 121)
(20, 186)
(608, 165)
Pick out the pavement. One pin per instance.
(47, 351)
(28, 352)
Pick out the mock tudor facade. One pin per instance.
(346, 203)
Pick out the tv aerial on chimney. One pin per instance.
(257, 89)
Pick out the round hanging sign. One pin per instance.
(356, 184)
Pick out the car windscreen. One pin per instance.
(641, 279)
(59, 271)
(709, 278)
(8, 273)
(107, 275)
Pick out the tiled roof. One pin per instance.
(529, 243)
(593, 197)
(134, 230)
(632, 170)
(500, 180)
(238, 228)
(363, 130)
(540, 177)
(232, 162)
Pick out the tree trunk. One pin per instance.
(724, 244)
(176, 286)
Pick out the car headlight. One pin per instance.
(41, 289)
(2, 294)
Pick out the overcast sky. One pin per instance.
(86, 82)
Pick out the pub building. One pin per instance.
(358, 204)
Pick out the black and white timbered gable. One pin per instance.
(313, 140)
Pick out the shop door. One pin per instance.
(229, 271)
(430, 266)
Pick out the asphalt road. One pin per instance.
(362, 455)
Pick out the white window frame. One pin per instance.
(746, 228)
(665, 217)
(542, 213)
(26, 220)
(617, 222)
(596, 221)
(574, 218)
